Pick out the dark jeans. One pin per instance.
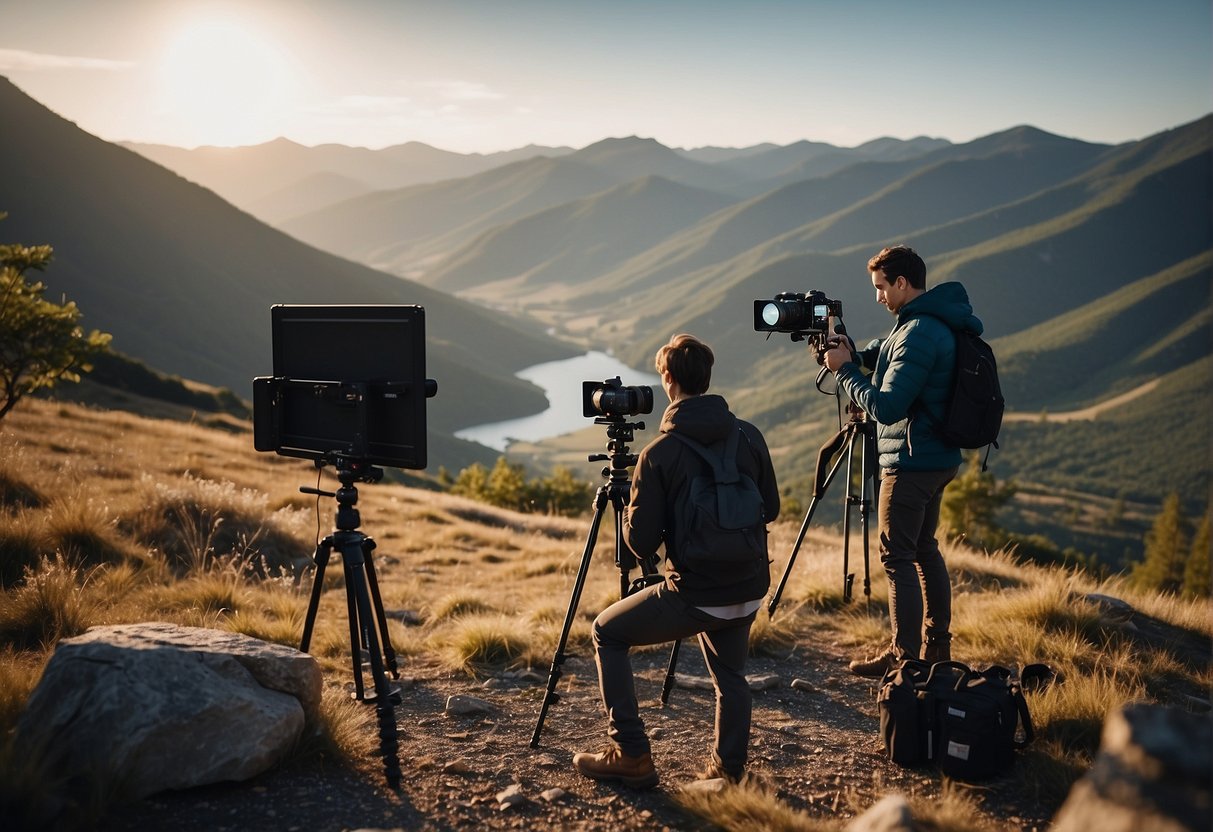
(918, 578)
(658, 614)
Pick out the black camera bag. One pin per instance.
(964, 721)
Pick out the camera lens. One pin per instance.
(770, 314)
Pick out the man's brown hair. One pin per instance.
(900, 261)
(689, 361)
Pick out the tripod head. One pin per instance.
(619, 433)
(618, 487)
(349, 471)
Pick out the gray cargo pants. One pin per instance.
(658, 614)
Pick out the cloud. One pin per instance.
(19, 60)
(370, 104)
(463, 91)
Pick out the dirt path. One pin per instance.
(1087, 413)
(815, 745)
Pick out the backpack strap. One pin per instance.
(1025, 719)
(724, 467)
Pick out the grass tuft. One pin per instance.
(460, 605)
(486, 640)
(47, 607)
(196, 521)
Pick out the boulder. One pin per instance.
(141, 708)
(1153, 774)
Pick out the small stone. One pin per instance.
(547, 761)
(682, 680)
(803, 685)
(552, 795)
(713, 786)
(456, 767)
(467, 706)
(510, 797)
(764, 681)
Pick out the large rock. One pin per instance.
(1154, 773)
(141, 708)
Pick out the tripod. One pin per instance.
(859, 433)
(615, 491)
(368, 625)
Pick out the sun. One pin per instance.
(222, 82)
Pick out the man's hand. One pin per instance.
(837, 355)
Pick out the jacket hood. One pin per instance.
(706, 418)
(950, 303)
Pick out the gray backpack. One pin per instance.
(721, 533)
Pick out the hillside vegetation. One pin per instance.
(109, 517)
(1089, 265)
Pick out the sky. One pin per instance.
(489, 75)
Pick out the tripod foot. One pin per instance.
(370, 697)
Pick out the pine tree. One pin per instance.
(472, 482)
(971, 504)
(507, 485)
(1162, 568)
(41, 343)
(1200, 562)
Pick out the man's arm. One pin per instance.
(909, 366)
(645, 522)
(767, 485)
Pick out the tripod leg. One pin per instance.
(388, 741)
(668, 684)
(804, 527)
(357, 645)
(323, 551)
(549, 695)
(865, 509)
(848, 577)
(389, 655)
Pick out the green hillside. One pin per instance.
(1088, 264)
(184, 281)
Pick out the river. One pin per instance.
(561, 383)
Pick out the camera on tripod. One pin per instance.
(612, 398)
(803, 315)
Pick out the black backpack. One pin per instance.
(967, 723)
(973, 414)
(721, 532)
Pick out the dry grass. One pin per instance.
(116, 519)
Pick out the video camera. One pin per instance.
(612, 398)
(803, 315)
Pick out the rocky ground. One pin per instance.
(815, 743)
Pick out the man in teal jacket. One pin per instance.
(905, 395)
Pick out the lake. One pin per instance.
(561, 383)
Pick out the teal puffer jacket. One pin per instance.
(911, 372)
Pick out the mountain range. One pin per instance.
(1089, 264)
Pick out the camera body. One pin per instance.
(803, 315)
(612, 398)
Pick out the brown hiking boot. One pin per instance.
(873, 668)
(937, 651)
(612, 764)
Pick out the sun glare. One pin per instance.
(223, 83)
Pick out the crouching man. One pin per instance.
(714, 599)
